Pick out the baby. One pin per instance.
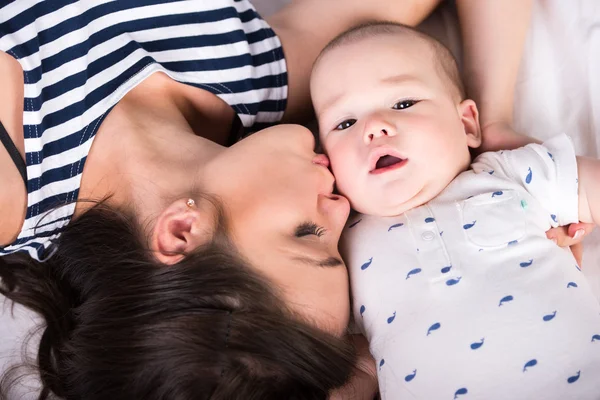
(454, 283)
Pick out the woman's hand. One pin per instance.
(571, 236)
(501, 136)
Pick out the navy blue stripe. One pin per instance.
(263, 106)
(96, 38)
(219, 64)
(79, 79)
(248, 15)
(259, 35)
(78, 108)
(31, 14)
(57, 174)
(38, 235)
(50, 203)
(100, 93)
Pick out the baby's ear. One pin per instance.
(470, 118)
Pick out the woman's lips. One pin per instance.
(321, 159)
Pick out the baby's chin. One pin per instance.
(398, 203)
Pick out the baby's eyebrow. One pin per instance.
(397, 79)
(326, 262)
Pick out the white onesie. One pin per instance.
(465, 298)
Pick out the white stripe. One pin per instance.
(52, 19)
(80, 64)
(74, 125)
(48, 220)
(15, 8)
(107, 21)
(57, 161)
(268, 116)
(59, 187)
(111, 73)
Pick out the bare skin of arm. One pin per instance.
(493, 34)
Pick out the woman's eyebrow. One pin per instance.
(326, 262)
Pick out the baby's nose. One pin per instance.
(377, 128)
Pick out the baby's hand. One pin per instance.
(571, 236)
(363, 384)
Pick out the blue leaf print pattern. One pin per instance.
(554, 218)
(529, 177)
(491, 172)
(498, 193)
(410, 377)
(354, 224)
(514, 242)
(530, 363)
(577, 266)
(362, 310)
(392, 318)
(381, 363)
(549, 317)
(413, 272)
(433, 327)
(469, 226)
(476, 345)
(595, 337)
(367, 264)
(551, 156)
(447, 269)
(505, 299)
(526, 264)
(429, 220)
(459, 392)
(571, 284)
(395, 226)
(574, 378)
(524, 204)
(454, 281)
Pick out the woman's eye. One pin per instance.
(401, 105)
(309, 228)
(345, 124)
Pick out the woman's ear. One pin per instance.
(180, 229)
(470, 118)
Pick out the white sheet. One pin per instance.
(558, 91)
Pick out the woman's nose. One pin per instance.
(377, 126)
(335, 208)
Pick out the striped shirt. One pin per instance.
(79, 58)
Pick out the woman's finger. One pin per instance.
(566, 236)
(577, 250)
(579, 231)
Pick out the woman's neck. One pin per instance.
(149, 151)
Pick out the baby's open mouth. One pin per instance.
(387, 163)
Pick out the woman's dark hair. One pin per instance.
(120, 325)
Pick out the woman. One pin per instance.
(187, 266)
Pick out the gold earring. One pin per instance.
(190, 203)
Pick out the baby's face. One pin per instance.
(393, 130)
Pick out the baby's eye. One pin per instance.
(401, 105)
(345, 124)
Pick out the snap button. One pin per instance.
(428, 236)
